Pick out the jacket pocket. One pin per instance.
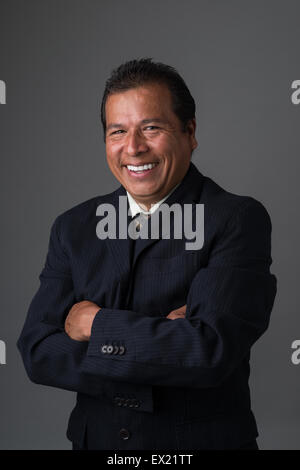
(225, 432)
(76, 431)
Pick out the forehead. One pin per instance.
(152, 99)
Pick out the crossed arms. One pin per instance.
(78, 324)
(227, 309)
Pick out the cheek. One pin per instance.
(112, 156)
(165, 146)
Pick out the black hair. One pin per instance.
(138, 72)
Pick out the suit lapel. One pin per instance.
(188, 192)
(121, 249)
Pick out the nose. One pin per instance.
(135, 144)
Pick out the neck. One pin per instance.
(146, 205)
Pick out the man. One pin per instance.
(102, 322)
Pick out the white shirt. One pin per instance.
(135, 208)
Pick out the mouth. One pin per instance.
(141, 170)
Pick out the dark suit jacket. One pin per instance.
(144, 381)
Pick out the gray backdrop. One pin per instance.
(239, 59)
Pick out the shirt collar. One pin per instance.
(136, 209)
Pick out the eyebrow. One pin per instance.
(115, 125)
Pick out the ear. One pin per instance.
(191, 129)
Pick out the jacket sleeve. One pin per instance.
(228, 308)
(50, 356)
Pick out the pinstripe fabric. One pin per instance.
(178, 384)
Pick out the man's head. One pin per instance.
(148, 116)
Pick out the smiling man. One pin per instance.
(133, 141)
(155, 339)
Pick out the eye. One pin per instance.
(152, 127)
(116, 132)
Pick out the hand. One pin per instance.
(78, 324)
(177, 313)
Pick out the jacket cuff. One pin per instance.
(107, 343)
(108, 336)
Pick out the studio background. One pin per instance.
(239, 59)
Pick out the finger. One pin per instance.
(173, 316)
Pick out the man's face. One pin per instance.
(142, 129)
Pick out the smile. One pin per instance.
(141, 170)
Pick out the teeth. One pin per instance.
(141, 167)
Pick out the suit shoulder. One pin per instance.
(216, 196)
(223, 206)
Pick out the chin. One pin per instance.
(144, 188)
